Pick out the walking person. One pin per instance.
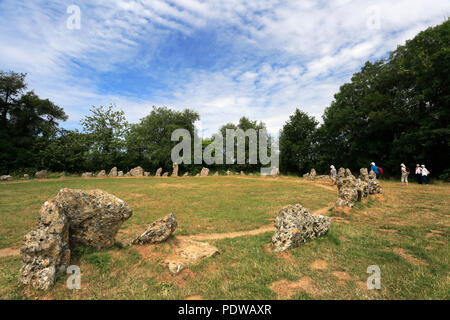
(425, 174)
(405, 173)
(333, 175)
(375, 169)
(419, 174)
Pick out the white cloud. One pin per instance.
(286, 54)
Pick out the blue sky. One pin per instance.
(222, 58)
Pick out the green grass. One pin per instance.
(369, 234)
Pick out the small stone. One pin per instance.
(113, 172)
(41, 174)
(204, 172)
(175, 170)
(6, 178)
(137, 172)
(101, 173)
(159, 231)
(158, 172)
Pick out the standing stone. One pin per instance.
(6, 178)
(120, 174)
(73, 218)
(146, 174)
(295, 225)
(137, 172)
(347, 189)
(41, 174)
(204, 172)
(374, 185)
(216, 174)
(229, 173)
(275, 172)
(113, 172)
(87, 175)
(158, 172)
(197, 175)
(165, 175)
(306, 176)
(175, 170)
(186, 174)
(128, 174)
(101, 173)
(312, 174)
(26, 176)
(242, 173)
(159, 231)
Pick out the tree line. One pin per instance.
(395, 110)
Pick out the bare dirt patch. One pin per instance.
(228, 235)
(194, 298)
(287, 289)
(340, 220)
(342, 275)
(319, 265)
(411, 259)
(434, 233)
(9, 252)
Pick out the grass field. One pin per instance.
(405, 233)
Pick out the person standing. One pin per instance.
(425, 174)
(419, 174)
(333, 174)
(405, 174)
(374, 168)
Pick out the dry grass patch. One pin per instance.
(287, 289)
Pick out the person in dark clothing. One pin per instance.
(419, 174)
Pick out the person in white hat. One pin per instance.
(375, 169)
(425, 174)
(405, 174)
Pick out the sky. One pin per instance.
(222, 58)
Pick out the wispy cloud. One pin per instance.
(225, 59)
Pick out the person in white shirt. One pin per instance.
(405, 174)
(419, 174)
(425, 174)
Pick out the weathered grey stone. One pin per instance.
(216, 174)
(113, 172)
(374, 185)
(229, 173)
(146, 174)
(158, 172)
(101, 173)
(347, 189)
(165, 175)
(26, 176)
(295, 225)
(137, 172)
(274, 172)
(6, 178)
(71, 219)
(45, 252)
(87, 175)
(186, 174)
(128, 174)
(120, 174)
(204, 172)
(159, 231)
(242, 173)
(197, 175)
(175, 170)
(41, 174)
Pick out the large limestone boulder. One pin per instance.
(347, 189)
(46, 253)
(146, 174)
(175, 170)
(128, 174)
(73, 218)
(295, 225)
(87, 175)
(41, 174)
(204, 172)
(158, 172)
(159, 231)
(120, 174)
(229, 173)
(101, 173)
(6, 178)
(113, 172)
(137, 172)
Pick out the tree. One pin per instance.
(107, 129)
(297, 143)
(149, 142)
